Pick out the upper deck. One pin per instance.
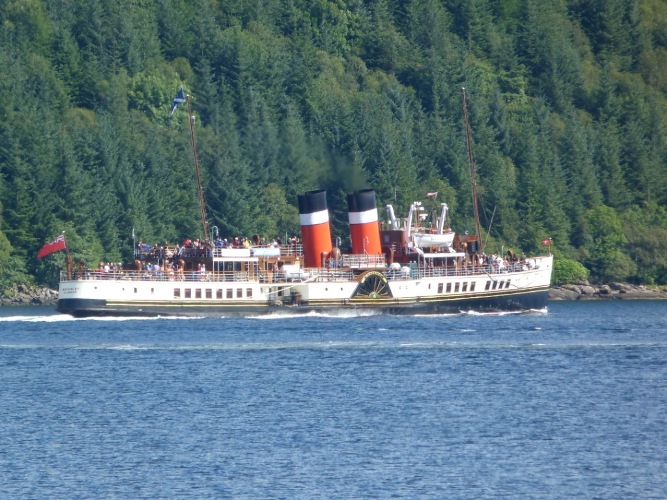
(291, 274)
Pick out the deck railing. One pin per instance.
(306, 274)
(363, 261)
(227, 276)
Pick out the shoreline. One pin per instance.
(24, 295)
(612, 291)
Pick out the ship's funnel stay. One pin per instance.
(315, 228)
(364, 227)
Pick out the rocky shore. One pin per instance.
(612, 291)
(24, 295)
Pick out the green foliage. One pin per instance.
(646, 231)
(12, 272)
(568, 271)
(605, 258)
(567, 103)
(279, 216)
(26, 21)
(5, 249)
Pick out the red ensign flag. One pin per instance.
(55, 246)
(547, 241)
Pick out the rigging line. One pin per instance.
(488, 229)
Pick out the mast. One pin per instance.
(68, 258)
(202, 205)
(471, 159)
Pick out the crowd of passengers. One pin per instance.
(497, 263)
(475, 263)
(166, 257)
(203, 247)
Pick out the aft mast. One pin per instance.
(180, 98)
(471, 159)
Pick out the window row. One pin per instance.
(497, 285)
(457, 287)
(207, 293)
(470, 286)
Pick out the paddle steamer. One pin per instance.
(415, 265)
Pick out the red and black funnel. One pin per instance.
(363, 217)
(315, 228)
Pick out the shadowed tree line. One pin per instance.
(567, 102)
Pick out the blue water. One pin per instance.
(566, 404)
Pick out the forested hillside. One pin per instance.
(567, 102)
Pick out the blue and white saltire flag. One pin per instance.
(180, 98)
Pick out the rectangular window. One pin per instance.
(209, 293)
(507, 285)
(472, 286)
(198, 293)
(177, 293)
(248, 292)
(239, 293)
(495, 285)
(230, 293)
(465, 287)
(449, 287)
(218, 293)
(456, 287)
(488, 285)
(188, 293)
(439, 287)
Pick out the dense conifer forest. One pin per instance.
(567, 103)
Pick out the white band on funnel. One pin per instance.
(314, 219)
(363, 217)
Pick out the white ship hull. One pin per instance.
(521, 286)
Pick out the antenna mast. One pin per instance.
(471, 159)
